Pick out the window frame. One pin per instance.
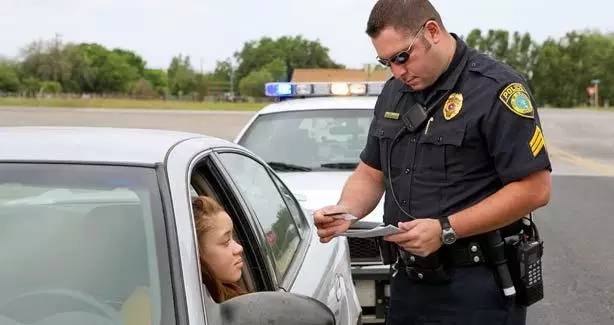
(286, 280)
(244, 225)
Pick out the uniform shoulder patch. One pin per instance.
(537, 142)
(516, 98)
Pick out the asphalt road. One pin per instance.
(576, 226)
(220, 124)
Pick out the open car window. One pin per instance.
(277, 224)
(207, 180)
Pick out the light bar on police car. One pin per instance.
(358, 88)
(279, 89)
(374, 88)
(314, 89)
(303, 89)
(340, 89)
(321, 89)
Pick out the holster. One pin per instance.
(387, 250)
(429, 269)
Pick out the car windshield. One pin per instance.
(326, 139)
(82, 244)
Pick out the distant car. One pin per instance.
(314, 144)
(96, 228)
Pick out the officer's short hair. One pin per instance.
(407, 15)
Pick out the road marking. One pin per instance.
(590, 164)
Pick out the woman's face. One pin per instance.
(219, 250)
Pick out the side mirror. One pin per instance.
(272, 308)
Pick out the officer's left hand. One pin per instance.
(420, 237)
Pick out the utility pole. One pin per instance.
(596, 83)
(232, 80)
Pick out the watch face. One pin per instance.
(448, 237)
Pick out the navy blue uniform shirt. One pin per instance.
(484, 133)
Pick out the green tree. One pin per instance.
(133, 59)
(253, 83)
(115, 74)
(50, 87)
(98, 70)
(277, 68)
(518, 51)
(9, 81)
(292, 52)
(45, 60)
(181, 76)
(223, 70)
(31, 86)
(565, 68)
(158, 80)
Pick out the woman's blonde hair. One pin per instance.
(204, 209)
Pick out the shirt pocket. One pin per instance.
(440, 152)
(386, 132)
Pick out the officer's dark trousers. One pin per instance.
(472, 297)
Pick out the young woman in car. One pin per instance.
(220, 254)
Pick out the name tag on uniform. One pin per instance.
(391, 115)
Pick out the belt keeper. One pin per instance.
(475, 253)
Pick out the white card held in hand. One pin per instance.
(373, 232)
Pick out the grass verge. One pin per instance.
(128, 103)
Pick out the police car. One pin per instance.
(313, 138)
(97, 228)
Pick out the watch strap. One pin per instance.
(445, 223)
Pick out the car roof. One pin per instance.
(356, 102)
(91, 144)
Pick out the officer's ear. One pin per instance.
(433, 31)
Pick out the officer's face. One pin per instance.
(420, 70)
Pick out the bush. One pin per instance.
(142, 89)
(50, 87)
(30, 86)
(253, 83)
(9, 82)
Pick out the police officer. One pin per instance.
(457, 147)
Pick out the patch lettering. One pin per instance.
(516, 98)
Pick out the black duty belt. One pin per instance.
(458, 254)
(435, 267)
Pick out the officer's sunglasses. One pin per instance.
(403, 56)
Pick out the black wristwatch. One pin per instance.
(448, 236)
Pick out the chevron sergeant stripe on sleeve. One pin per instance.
(537, 141)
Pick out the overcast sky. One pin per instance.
(209, 30)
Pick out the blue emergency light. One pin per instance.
(279, 89)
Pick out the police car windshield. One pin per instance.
(318, 140)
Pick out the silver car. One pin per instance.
(96, 227)
(314, 144)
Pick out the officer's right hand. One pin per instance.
(329, 226)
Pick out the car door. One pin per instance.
(195, 170)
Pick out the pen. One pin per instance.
(426, 130)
